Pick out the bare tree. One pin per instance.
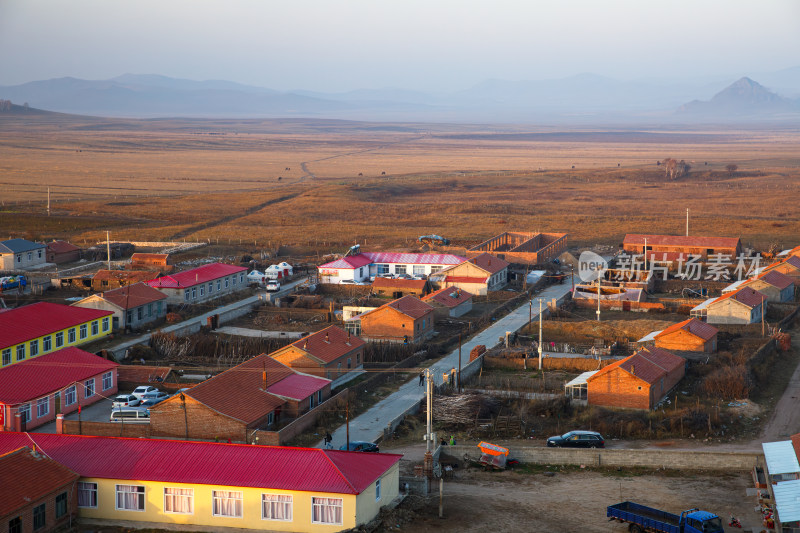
(731, 168)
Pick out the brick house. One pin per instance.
(789, 266)
(37, 493)
(398, 287)
(142, 261)
(478, 275)
(640, 381)
(202, 283)
(133, 306)
(105, 280)
(523, 248)
(59, 252)
(235, 403)
(449, 302)
(692, 335)
(40, 388)
(776, 286)
(406, 320)
(332, 353)
(742, 306)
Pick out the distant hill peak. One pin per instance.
(742, 97)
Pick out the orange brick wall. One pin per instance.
(391, 325)
(618, 389)
(682, 340)
(51, 524)
(203, 423)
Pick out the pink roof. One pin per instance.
(448, 297)
(46, 374)
(350, 262)
(61, 247)
(35, 320)
(209, 463)
(368, 258)
(196, 276)
(298, 386)
(489, 263)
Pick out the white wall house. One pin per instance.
(363, 266)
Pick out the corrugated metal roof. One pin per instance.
(29, 479)
(61, 247)
(45, 374)
(787, 500)
(735, 285)
(745, 295)
(781, 457)
(329, 344)
(411, 306)
(39, 319)
(196, 276)
(414, 258)
(581, 379)
(209, 463)
(16, 246)
(703, 305)
(650, 336)
(489, 263)
(348, 263)
(130, 296)
(776, 279)
(298, 386)
(449, 296)
(682, 240)
(696, 327)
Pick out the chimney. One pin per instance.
(326, 338)
(264, 375)
(348, 338)
(305, 345)
(633, 370)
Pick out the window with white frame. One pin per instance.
(70, 396)
(130, 498)
(43, 407)
(210, 287)
(202, 290)
(47, 344)
(227, 503)
(219, 284)
(233, 280)
(108, 380)
(30, 256)
(95, 327)
(25, 413)
(71, 335)
(59, 339)
(276, 507)
(7, 356)
(186, 295)
(419, 270)
(84, 331)
(382, 270)
(194, 293)
(35, 348)
(378, 490)
(179, 501)
(436, 268)
(226, 282)
(106, 324)
(20, 352)
(88, 388)
(326, 510)
(400, 269)
(40, 254)
(87, 495)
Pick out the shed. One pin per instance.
(450, 302)
(398, 287)
(690, 335)
(59, 252)
(576, 389)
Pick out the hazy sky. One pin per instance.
(329, 45)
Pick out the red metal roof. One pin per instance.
(696, 327)
(793, 260)
(776, 279)
(489, 263)
(210, 463)
(328, 344)
(42, 318)
(45, 374)
(411, 306)
(414, 258)
(196, 276)
(682, 240)
(61, 247)
(132, 296)
(239, 391)
(649, 364)
(749, 297)
(449, 296)
(399, 283)
(350, 262)
(298, 386)
(29, 478)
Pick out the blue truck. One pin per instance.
(12, 282)
(642, 518)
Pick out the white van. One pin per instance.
(127, 415)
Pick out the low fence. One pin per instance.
(671, 459)
(612, 305)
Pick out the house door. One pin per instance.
(57, 401)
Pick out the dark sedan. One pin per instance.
(577, 439)
(359, 446)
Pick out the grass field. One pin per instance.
(217, 179)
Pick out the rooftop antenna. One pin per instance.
(108, 250)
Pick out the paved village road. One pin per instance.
(369, 425)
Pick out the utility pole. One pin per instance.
(645, 254)
(427, 465)
(108, 250)
(347, 420)
(599, 273)
(541, 352)
(572, 276)
(763, 331)
(458, 385)
(48, 201)
(687, 221)
(530, 315)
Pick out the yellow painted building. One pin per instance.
(44, 327)
(190, 485)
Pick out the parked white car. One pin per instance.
(126, 400)
(142, 390)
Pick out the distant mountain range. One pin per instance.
(584, 98)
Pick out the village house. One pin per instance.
(105, 280)
(640, 381)
(398, 287)
(742, 306)
(207, 486)
(134, 306)
(332, 353)
(241, 400)
(523, 248)
(670, 247)
(782, 475)
(59, 252)
(478, 275)
(143, 261)
(449, 302)
(202, 283)
(33, 392)
(364, 266)
(776, 286)
(21, 254)
(40, 328)
(789, 267)
(37, 494)
(692, 335)
(407, 320)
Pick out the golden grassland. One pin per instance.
(215, 179)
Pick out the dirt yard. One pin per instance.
(571, 500)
